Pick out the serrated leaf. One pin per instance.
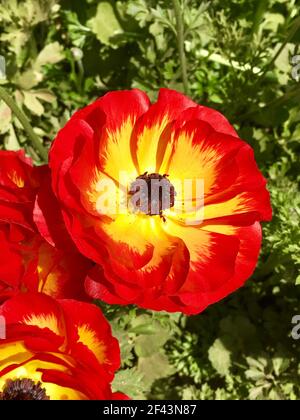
(16, 38)
(129, 381)
(219, 357)
(2, 68)
(126, 345)
(105, 24)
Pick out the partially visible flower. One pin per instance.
(57, 350)
(158, 259)
(36, 253)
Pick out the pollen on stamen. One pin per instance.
(159, 195)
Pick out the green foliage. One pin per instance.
(219, 357)
(60, 55)
(104, 24)
(129, 381)
(282, 235)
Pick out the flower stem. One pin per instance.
(180, 42)
(33, 137)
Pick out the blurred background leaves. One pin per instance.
(61, 55)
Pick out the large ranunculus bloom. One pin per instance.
(56, 349)
(36, 252)
(169, 259)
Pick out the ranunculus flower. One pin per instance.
(56, 349)
(36, 252)
(177, 257)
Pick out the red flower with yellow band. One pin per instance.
(56, 350)
(159, 259)
(36, 252)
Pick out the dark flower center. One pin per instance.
(152, 193)
(23, 389)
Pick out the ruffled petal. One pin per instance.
(150, 138)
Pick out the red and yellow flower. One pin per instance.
(159, 260)
(56, 349)
(36, 252)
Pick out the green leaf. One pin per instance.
(154, 367)
(271, 116)
(32, 103)
(147, 345)
(11, 140)
(272, 21)
(29, 79)
(257, 364)
(219, 357)
(129, 381)
(143, 329)
(105, 24)
(153, 336)
(50, 54)
(254, 375)
(126, 344)
(45, 95)
(5, 117)
(280, 364)
(256, 392)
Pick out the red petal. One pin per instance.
(250, 242)
(146, 147)
(89, 336)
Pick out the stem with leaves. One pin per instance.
(33, 137)
(180, 42)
